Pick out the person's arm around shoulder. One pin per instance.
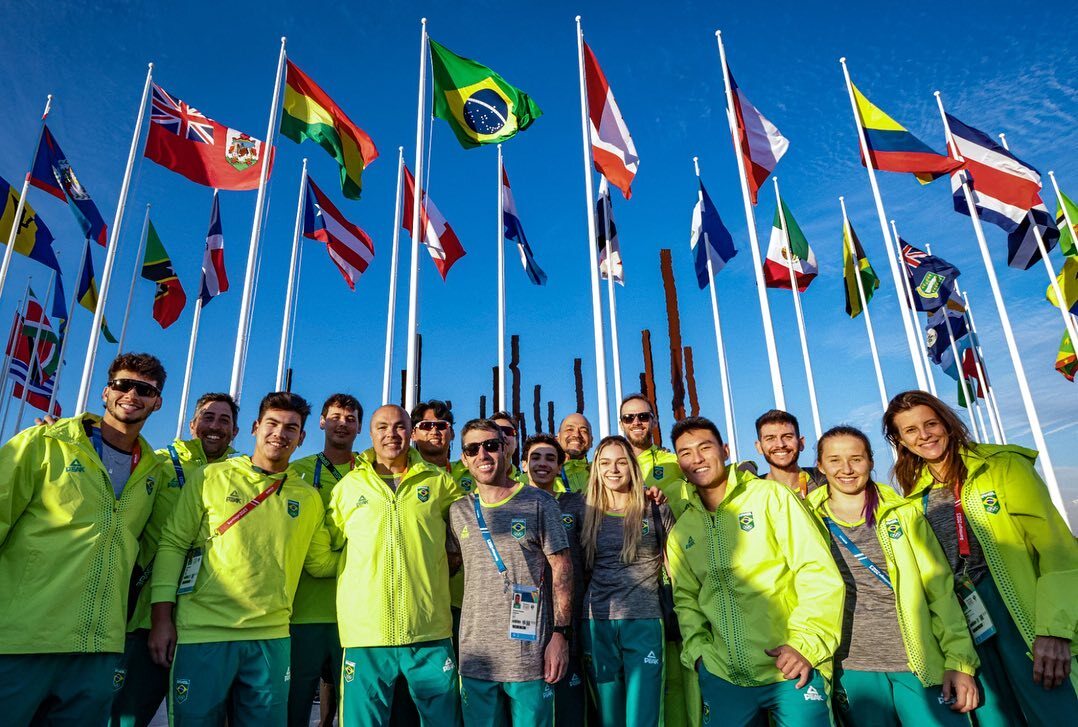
(22, 464)
(694, 624)
(322, 559)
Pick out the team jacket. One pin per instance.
(933, 627)
(660, 469)
(755, 574)
(67, 544)
(574, 473)
(249, 573)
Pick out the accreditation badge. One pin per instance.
(191, 566)
(524, 614)
(980, 623)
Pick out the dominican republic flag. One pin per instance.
(612, 148)
(760, 143)
(1005, 191)
(214, 277)
(932, 279)
(52, 173)
(440, 239)
(606, 230)
(187, 142)
(709, 239)
(515, 231)
(349, 247)
(938, 339)
(789, 250)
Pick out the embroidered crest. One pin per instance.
(518, 528)
(349, 671)
(568, 521)
(657, 473)
(423, 493)
(990, 502)
(466, 484)
(183, 688)
(745, 520)
(894, 529)
(293, 508)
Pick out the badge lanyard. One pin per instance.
(565, 479)
(246, 509)
(856, 552)
(960, 524)
(99, 447)
(323, 461)
(175, 457)
(485, 531)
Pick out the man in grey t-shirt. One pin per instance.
(518, 583)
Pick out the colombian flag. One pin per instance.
(894, 149)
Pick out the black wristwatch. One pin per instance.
(565, 631)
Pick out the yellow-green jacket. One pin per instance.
(933, 627)
(574, 473)
(393, 588)
(755, 574)
(249, 573)
(1030, 551)
(660, 469)
(67, 545)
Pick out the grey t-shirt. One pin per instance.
(627, 590)
(118, 465)
(572, 519)
(525, 527)
(941, 518)
(871, 636)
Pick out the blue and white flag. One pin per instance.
(938, 339)
(515, 231)
(710, 238)
(214, 278)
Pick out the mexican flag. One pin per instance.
(776, 266)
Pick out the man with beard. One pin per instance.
(658, 466)
(432, 433)
(574, 436)
(316, 645)
(144, 683)
(74, 497)
(779, 440)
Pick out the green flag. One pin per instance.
(1066, 235)
(869, 281)
(1066, 361)
(478, 104)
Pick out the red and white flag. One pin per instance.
(440, 239)
(349, 247)
(214, 277)
(35, 326)
(612, 147)
(759, 141)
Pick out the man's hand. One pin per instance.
(555, 659)
(1051, 661)
(655, 495)
(789, 661)
(162, 640)
(962, 689)
(47, 420)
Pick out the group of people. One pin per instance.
(624, 584)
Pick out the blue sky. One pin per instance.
(993, 67)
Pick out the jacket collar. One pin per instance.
(889, 499)
(736, 480)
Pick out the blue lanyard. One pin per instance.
(856, 552)
(323, 461)
(924, 500)
(176, 465)
(99, 447)
(485, 531)
(565, 479)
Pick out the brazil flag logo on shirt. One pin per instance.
(293, 508)
(518, 528)
(658, 472)
(894, 529)
(745, 521)
(183, 687)
(568, 521)
(990, 502)
(423, 493)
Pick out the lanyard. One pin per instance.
(565, 479)
(856, 552)
(960, 527)
(176, 464)
(485, 531)
(323, 461)
(99, 447)
(243, 511)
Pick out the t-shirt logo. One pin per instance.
(894, 529)
(75, 466)
(349, 671)
(233, 496)
(149, 485)
(568, 521)
(466, 484)
(293, 508)
(657, 473)
(707, 713)
(423, 493)
(647, 527)
(745, 520)
(990, 502)
(183, 688)
(464, 534)
(518, 528)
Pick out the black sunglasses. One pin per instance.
(643, 417)
(490, 445)
(439, 425)
(141, 387)
(508, 431)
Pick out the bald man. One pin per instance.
(574, 436)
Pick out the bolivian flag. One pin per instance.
(869, 281)
(478, 104)
(169, 298)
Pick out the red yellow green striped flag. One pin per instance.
(1066, 360)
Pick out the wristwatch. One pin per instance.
(565, 631)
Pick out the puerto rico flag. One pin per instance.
(760, 143)
(214, 277)
(349, 247)
(612, 149)
(440, 239)
(52, 173)
(515, 231)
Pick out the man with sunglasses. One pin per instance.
(74, 497)
(518, 584)
(508, 425)
(432, 433)
(658, 466)
(574, 436)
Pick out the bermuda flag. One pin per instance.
(710, 238)
(780, 249)
(605, 230)
(52, 173)
(612, 148)
(435, 232)
(349, 247)
(515, 231)
(214, 277)
(759, 141)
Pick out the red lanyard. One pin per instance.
(96, 439)
(960, 525)
(243, 511)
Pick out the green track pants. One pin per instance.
(625, 661)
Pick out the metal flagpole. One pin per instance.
(67, 330)
(33, 358)
(724, 374)
(243, 329)
(615, 348)
(5, 373)
(864, 307)
(110, 255)
(907, 322)
(982, 372)
(1059, 200)
(391, 306)
(134, 279)
(188, 368)
(917, 325)
(800, 316)
(501, 288)
(1008, 332)
(290, 291)
(417, 201)
(16, 221)
(601, 401)
(754, 243)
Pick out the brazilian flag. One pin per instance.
(480, 106)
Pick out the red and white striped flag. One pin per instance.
(440, 239)
(612, 147)
(759, 141)
(214, 277)
(349, 247)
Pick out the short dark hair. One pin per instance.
(537, 439)
(285, 401)
(486, 425)
(689, 424)
(344, 401)
(219, 397)
(777, 416)
(503, 415)
(144, 364)
(637, 396)
(439, 407)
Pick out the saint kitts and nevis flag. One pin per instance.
(169, 298)
(434, 231)
(781, 247)
(53, 173)
(349, 247)
(709, 239)
(892, 148)
(612, 148)
(855, 263)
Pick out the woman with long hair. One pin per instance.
(906, 655)
(1014, 559)
(622, 626)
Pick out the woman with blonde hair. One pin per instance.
(622, 539)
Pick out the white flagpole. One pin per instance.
(67, 331)
(864, 307)
(290, 291)
(110, 255)
(243, 329)
(33, 357)
(724, 374)
(134, 279)
(962, 383)
(917, 324)
(982, 372)
(417, 200)
(800, 316)
(1059, 200)
(16, 221)
(391, 306)
(188, 368)
(5, 374)
(601, 401)
(1008, 332)
(501, 289)
(754, 243)
(615, 348)
(907, 318)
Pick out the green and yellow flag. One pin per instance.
(478, 103)
(1066, 360)
(850, 267)
(1066, 235)
(169, 298)
(1068, 285)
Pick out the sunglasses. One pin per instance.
(508, 431)
(141, 387)
(437, 425)
(491, 446)
(643, 417)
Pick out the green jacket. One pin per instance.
(755, 574)
(933, 627)
(574, 473)
(67, 545)
(660, 469)
(249, 573)
(393, 588)
(1030, 551)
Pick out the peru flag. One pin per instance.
(214, 277)
(612, 148)
(435, 232)
(349, 247)
(759, 141)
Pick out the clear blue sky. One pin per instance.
(995, 67)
